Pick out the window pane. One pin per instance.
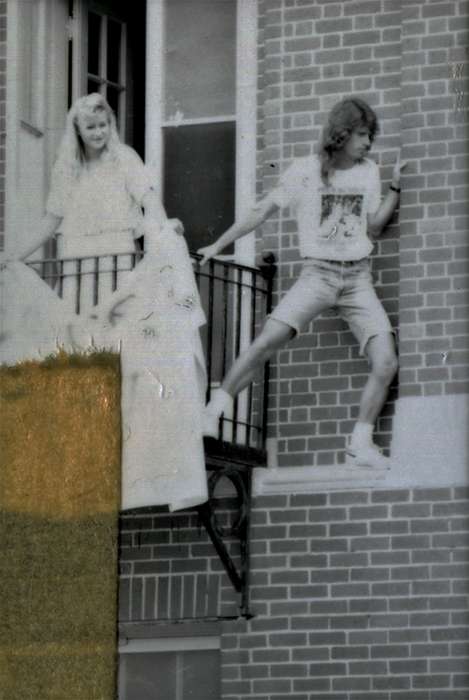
(113, 99)
(200, 58)
(148, 676)
(93, 86)
(113, 51)
(94, 36)
(199, 179)
(200, 675)
(192, 675)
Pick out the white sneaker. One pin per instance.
(218, 404)
(369, 457)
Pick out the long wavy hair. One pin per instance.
(71, 157)
(347, 115)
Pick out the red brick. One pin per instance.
(302, 13)
(327, 87)
(443, 9)
(302, 44)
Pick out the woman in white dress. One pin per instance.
(98, 190)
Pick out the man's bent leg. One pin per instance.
(382, 355)
(272, 337)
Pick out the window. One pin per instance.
(107, 55)
(172, 668)
(106, 67)
(201, 113)
(199, 116)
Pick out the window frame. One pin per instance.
(245, 117)
(135, 638)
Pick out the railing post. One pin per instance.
(268, 272)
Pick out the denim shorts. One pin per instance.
(347, 286)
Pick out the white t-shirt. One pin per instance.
(332, 219)
(101, 209)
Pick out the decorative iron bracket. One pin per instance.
(235, 463)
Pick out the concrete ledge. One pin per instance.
(313, 479)
(430, 449)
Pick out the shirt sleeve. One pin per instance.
(138, 178)
(375, 189)
(288, 188)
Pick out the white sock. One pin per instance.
(362, 435)
(220, 401)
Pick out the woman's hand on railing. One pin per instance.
(177, 226)
(207, 253)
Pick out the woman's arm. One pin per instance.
(154, 209)
(47, 227)
(380, 219)
(254, 217)
(155, 213)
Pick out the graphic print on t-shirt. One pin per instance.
(341, 217)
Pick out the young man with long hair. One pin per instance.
(336, 198)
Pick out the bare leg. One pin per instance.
(272, 337)
(382, 355)
(361, 451)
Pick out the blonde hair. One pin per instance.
(71, 154)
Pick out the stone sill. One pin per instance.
(311, 479)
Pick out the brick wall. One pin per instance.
(3, 80)
(170, 571)
(313, 54)
(357, 595)
(434, 252)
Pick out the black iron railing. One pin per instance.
(236, 299)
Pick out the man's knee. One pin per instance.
(381, 353)
(385, 366)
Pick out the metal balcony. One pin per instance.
(236, 299)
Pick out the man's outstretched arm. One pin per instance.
(253, 218)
